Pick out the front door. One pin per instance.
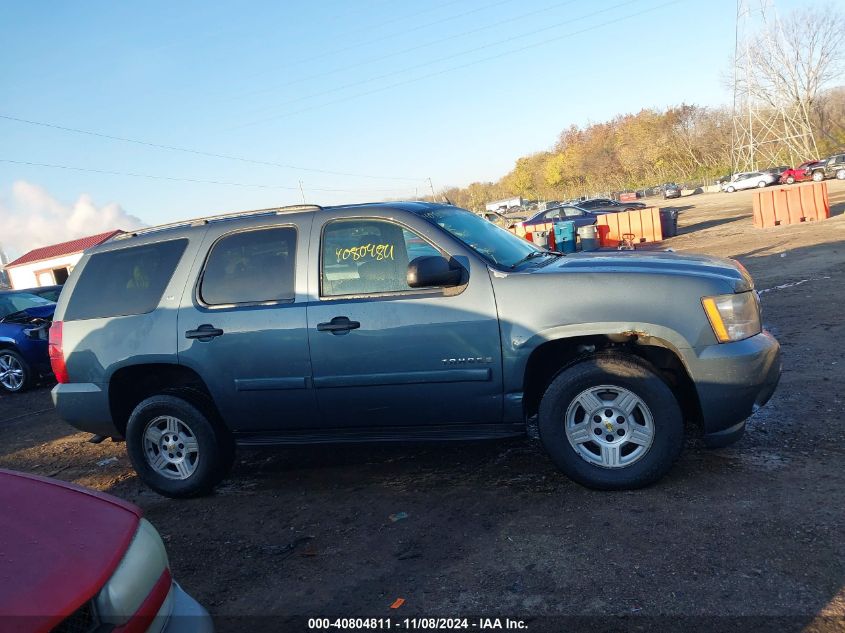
(386, 354)
(242, 327)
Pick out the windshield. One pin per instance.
(495, 244)
(17, 301)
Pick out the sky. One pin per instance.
(334, 101)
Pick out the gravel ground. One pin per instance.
(743, 538)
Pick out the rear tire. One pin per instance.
(730, 189)
(176, 449)
(645, 424)
(15, 373)
(761, 184)
(790, 180)
(818, 176)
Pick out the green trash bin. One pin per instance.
(565, 237)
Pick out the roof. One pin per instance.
(64, 248)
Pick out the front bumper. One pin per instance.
(732, 381)
(188, 615)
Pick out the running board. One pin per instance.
(428, 433)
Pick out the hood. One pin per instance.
(655, 262)
(59, 544)
(35, 312)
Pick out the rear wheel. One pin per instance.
(761, 184)
(15, 373)
(176, 449)
(818, 176)
(611, 423)
(730, 189)
(790, 180)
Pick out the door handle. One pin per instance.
(204, 333)
(338, 325)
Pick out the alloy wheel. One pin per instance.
(609, 426)
(11, 372)
(170, 447)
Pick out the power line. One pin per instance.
(393, 54)
(197, 152)
(191, 180)
(461, 54)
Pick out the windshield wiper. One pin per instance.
(532, 255)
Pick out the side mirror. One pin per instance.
(433, 271)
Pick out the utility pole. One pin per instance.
(302, 191)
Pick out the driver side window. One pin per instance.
(368, 256)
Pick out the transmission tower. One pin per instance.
(768, 128)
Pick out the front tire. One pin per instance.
(730, 189)
(840, 174)
(611, 423)
(176, 449)
(761, 184)
(790, 180)
(15, 373)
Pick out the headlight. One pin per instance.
(143, 573)
(733, 317)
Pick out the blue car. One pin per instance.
(24, 323)
(566, 213)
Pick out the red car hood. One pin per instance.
(59, 544)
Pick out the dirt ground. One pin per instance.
(748, 537)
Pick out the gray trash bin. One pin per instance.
(589, 236)
(669, 222)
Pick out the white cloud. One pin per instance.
(32, 218)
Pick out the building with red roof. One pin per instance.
(50, 265)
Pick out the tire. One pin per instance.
(818, 176)
(730, 189)
(15, 373)
(840, 174)
(192, 452)
(561, 405)
(790, 180)
(761, 184)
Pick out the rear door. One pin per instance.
(407, 357)
(242, 322)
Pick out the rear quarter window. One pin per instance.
(125, 281)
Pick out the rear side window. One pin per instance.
(251, 267)
(126, 281)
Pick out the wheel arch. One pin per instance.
(131, 384)
(554, 356)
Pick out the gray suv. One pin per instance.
(400, 322)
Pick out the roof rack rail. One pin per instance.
(218, 218)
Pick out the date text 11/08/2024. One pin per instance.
(430, 624)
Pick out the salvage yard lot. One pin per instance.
(493, 530)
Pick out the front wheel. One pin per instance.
(176, 449)
(730, 189)
(611, 423)
(840, 174)
(15, 373)
(761, 184)
(790, 180)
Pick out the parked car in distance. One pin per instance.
(568, 213)
(833, 167)
(777, 171)
(51, 293)
(800, 173)
(749, 180)
(81, 560)
(609, 206)
(671, 190)
(500, 219)
(400, 321)
(24, 320)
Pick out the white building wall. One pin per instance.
(24, 276)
